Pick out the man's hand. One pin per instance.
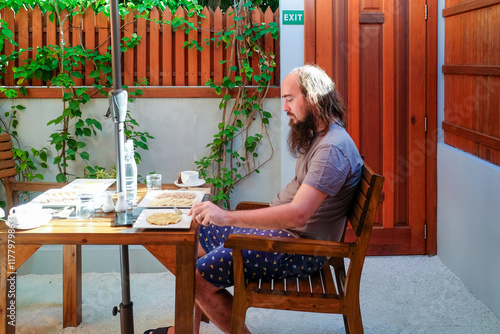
(206, 213)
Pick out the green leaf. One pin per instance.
(61, 178)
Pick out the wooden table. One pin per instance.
(175, 249)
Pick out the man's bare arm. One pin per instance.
(291, 215)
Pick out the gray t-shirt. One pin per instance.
(332, 165)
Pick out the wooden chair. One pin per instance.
(8, 173)
(318, 293)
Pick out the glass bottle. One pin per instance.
(130, 173)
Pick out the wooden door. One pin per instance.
(377, 53)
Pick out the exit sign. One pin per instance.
(293, 17)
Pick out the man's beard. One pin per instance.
(301, 135)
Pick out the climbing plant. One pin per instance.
(234, 151)
(60, 65)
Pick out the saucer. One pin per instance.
(197, 184)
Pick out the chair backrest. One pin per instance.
(7, 163)
(365, 202)
(7, 166)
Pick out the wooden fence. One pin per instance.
(171, 69)
(472, 78)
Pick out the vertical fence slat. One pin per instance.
(8, 16)
(154, 49)
(231, 61)
(142, 49)
(50, 33)
(103, 38)
(89, 41)
(129, 56)
(66, 27)
(218, 49)
(277, 50)
(193, 54)
(66, 31)
(269, 40)
(37, 37)
(205, 54)
(76, 40)
(180, 57)
(23, 37)
(257, 19)
(50, 30)
(167, 54)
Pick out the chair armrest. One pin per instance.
(248, 205)
(288, 245)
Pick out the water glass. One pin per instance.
(153, 181)
(85, 207)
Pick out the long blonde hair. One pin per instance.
(319, 90)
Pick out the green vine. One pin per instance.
(234, 152)
(61, 65)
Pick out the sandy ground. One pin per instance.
(411, 294)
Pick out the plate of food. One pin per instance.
(171, 198)
(57, 197)
(163, 218)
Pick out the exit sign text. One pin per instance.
(293, 17)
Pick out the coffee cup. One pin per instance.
(25, 209)
(190, 177)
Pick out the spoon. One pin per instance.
(177, 211)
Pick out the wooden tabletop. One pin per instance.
(100, 230)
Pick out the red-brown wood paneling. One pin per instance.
(379, 61)
(472, 77)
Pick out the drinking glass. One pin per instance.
(85, 207)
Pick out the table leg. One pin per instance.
(184, 289)
(5, 321)
(10, 262)
(72, 285)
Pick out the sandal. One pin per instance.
(161, 330)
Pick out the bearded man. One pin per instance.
(313, 205)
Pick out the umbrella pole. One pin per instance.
(118, 105)
(126, 309)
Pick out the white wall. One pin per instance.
(182, 128)
(292, 55)
(468, 226)
(468, 216)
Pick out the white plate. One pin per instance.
(33, 221)
(151, 195)
(141, 222)
(89, 185)
(57, 197)
(197, 184)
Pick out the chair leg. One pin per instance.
(239, 314)
(346, 325)
(353, 322)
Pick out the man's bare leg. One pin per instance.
(216, 303)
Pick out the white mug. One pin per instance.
(190, 177)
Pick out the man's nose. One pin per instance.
(286, 107)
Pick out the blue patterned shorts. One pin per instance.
(217, 265)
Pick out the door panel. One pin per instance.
(379, 65)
